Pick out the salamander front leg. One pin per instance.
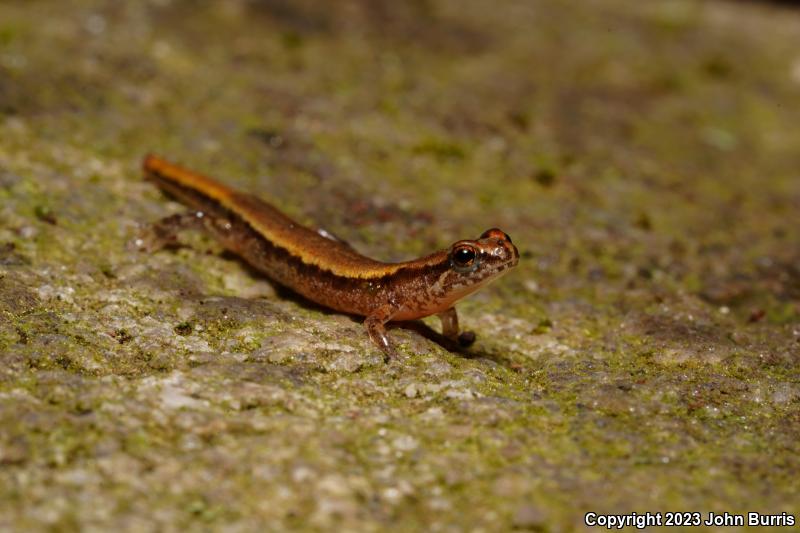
(449, 320)
(376, 328)
(164, 233)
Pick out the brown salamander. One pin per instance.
(326, 270)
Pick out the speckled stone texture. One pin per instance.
(644, 356)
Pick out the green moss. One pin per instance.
(441, 149)
(641, 356)
(785, 313)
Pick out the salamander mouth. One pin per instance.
(491, 272)
(502, 267)
(511, 262)
(454, 288)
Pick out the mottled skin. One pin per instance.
(328, 271)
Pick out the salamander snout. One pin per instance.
(497, 244)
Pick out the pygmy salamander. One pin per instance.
(326, 270)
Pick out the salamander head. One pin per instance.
(473, 264)
(459, 271)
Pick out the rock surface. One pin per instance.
(644, 356)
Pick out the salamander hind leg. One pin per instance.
(376, 328)
(164, 233)
(449, 318)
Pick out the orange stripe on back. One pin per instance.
(300, 241)
(187, 178)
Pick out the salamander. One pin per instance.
(324, 269)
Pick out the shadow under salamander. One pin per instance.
(416, 326)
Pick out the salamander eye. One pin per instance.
(496, 234)
(464, 258)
